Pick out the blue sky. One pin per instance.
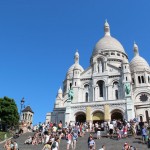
(38, 39)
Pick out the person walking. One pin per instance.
(91, 144)
(111, 128)
(74, 140)
(144, 134)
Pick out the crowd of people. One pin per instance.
(11, 145)
(50, 134)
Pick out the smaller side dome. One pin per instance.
(76, 64)
(60, 91)
(138, 63)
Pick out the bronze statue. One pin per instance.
(70, 94)
(127, 88)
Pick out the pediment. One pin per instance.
(113, 68)
(87, 72)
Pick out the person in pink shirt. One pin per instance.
(69, 140)
(125, 130)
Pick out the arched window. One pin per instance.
(139, 79)
(75, 83)
(148, 79)
(86, 91)
(86, 87)
(115, 90)
(116, 94)
(101, 88)
(86, 96)
(100, 65)
(141, 118)
(25, 116)
(126, 79)
(147, 116)
(70, 85)
(142, 79)
(133, 80)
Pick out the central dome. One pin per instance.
(107, 42)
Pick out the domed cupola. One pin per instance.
(60, 91)
(107, 43)
(76, 64)
(138, 63)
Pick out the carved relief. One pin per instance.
(120, 106)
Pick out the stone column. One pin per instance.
(146, 77)
(107, 112)
(135, 79)
(106, 89)
(95, 67)
(93, 93)
(105, 65)
(96, 93)
(68, 112)
(88, 114)
(110, 96)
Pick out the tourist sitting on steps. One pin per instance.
(28, 140)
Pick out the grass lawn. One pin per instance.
(4, 135)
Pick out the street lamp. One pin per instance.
(22, 103)
(0, 124)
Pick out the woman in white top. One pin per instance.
(55, 145)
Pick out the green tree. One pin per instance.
(8, 112)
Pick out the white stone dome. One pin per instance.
(60, 90)
(76, 66)
(138, 63)
(107, 42)
(125, 61)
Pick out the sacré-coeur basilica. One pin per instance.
(110, 88)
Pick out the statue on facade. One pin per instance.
(70, 94)
(127, 88)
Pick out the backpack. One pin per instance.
(53, 145)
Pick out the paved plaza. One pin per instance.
(111, 144)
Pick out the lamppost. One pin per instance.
(22, 103)
(0, 124)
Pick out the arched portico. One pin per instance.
(98, 116)
(117, 114)
(80, 117)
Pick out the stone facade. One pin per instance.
(27, 115)
(110, 88)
